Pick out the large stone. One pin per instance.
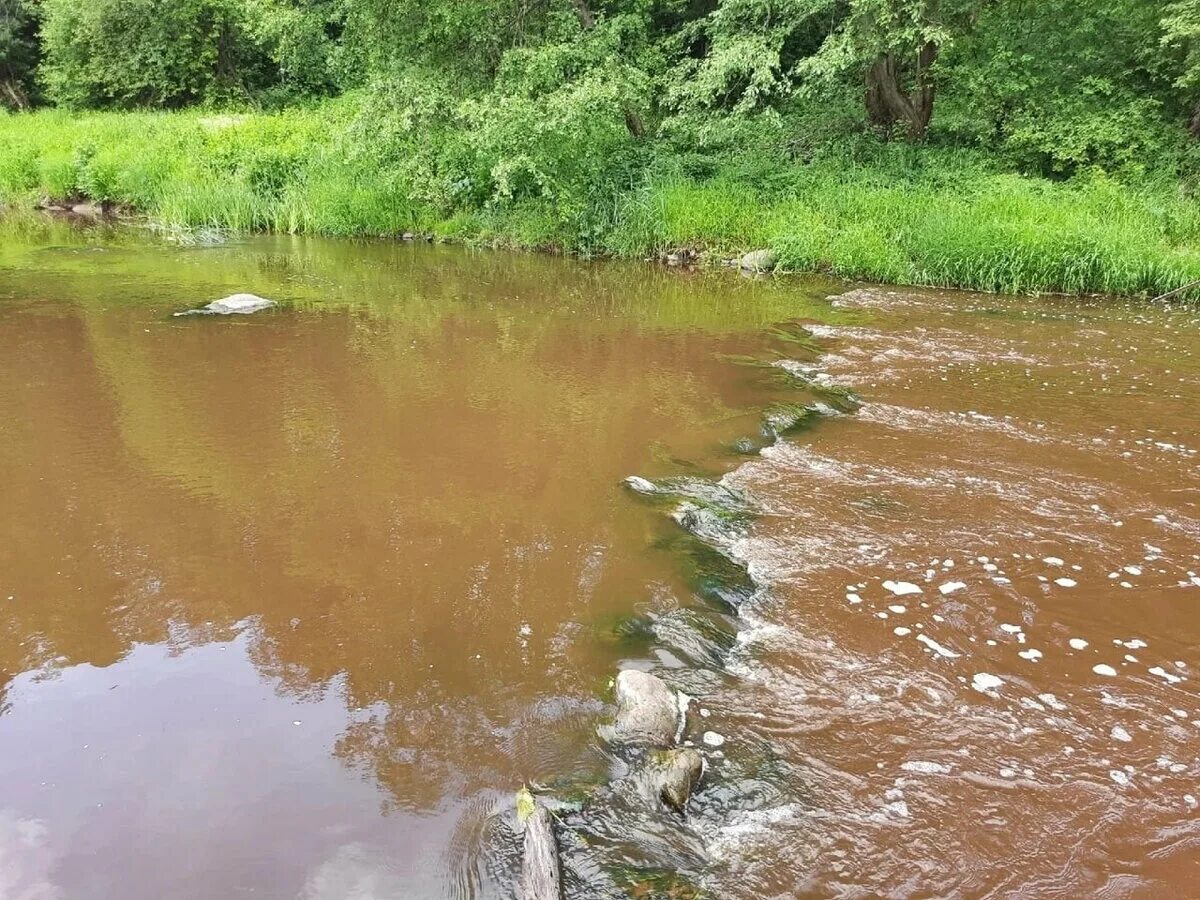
(760, 261)
(674, 775)
(541, 874)
(234, 304)
(647, 711)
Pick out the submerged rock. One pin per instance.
(674, 774)
(647, 711)
(242, 304)
(713, 524)
(759, 261)
(541, 875)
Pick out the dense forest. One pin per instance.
(1052, 135)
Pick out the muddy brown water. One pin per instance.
(292, 604)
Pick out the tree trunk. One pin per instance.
(587, 19)
(12, 94)
(890, 104)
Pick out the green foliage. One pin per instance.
(636, 127)
(18, 53)
(1062, 87)
(173, 53)
(141, 52)
(896, 213)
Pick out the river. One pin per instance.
(294, 603)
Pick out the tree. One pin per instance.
(1181, 32)
(172, 53)
(18, 53)
(894, 45)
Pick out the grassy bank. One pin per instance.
(896, 214)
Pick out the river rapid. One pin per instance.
(292, 604)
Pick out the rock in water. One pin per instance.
(760, 261)
(641, 485)
(541, 877)
(233, 304)
(647, 712)
(675, 774)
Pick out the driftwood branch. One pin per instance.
(1178, 290)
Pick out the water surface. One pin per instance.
(293, 603)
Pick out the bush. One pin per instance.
(130, 53)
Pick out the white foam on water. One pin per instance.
(1118, 776)
(936, 647)
(712, 739)
(1065, 582)
(1120, 734)
(950, 587)
(902, 631)
(731, 839)
(1103, 669)
(1052, 561)
(1030, 654)
(897, 609)
(1051, 701)
(984, 681)
(901, 588)
(1165, 675)
(1078, 643)
(924, 767)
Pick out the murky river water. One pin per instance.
(293, 603)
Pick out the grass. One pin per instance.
(922, 218)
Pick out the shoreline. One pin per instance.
(969, 226)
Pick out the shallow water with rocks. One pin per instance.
(294, 603)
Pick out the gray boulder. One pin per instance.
(647, 711)
(541, 875)
(234, 304)
(673, 775)
(759, 261)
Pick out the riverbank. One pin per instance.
(895, 214)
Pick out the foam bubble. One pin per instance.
(936, 647)
(984, 681)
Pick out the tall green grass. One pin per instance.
(920, 217)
